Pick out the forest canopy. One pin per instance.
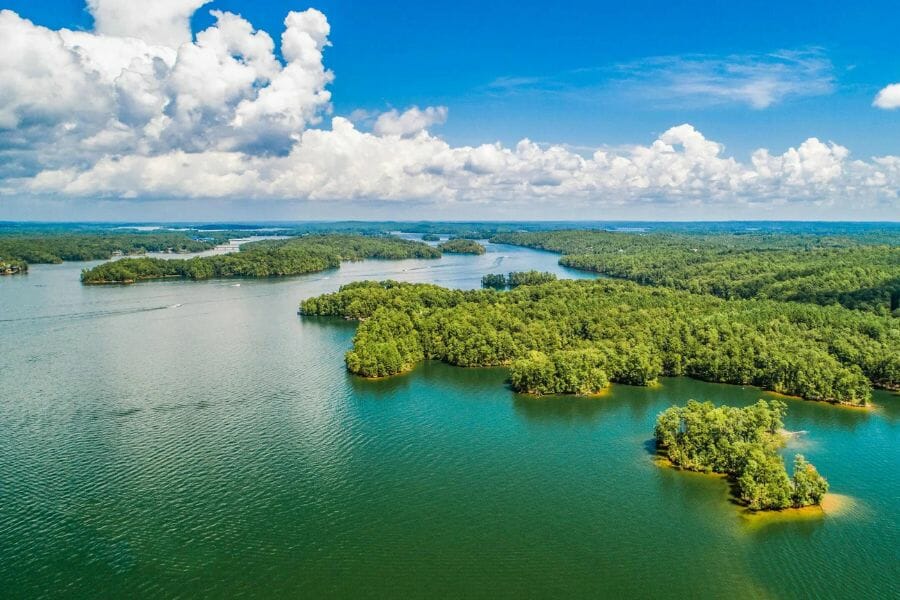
(56, 248)
(742, 443)
(860, 271)
(461, 246)
(268, 258)
(575, 336)
(499, 281)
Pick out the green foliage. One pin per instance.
(461, 246)
(809, 487)
(632, 334)
(56, 248)
(562, 372)
(496, 281)
(270, 258)
(499, 281)
(847, 271)
(517, 278)
(12, 266)
(431, 237)
(743, 444)
(763, 484)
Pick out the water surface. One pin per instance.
(182, 439)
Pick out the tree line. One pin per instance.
(56, 248)
(461, 246)
(575, 336)
(859, 272)
(268, 258)
(499, 281)
(743, 444)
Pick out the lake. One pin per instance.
(185, 439)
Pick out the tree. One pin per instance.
(808, 486)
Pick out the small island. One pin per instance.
(499, 281)
(461, 246)
(741, 443)
(269, 258)
(431, 237)
(9, 266)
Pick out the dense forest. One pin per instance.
(575, 336)
(742, 443)
(269, 258)
(499, 281)
(461, 246)
(860, 272)
(56, 248)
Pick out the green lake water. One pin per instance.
(199, 439)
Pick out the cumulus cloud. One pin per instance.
(889, 97)
(74, 97)
(409, 122)
(145, 110)
(162, 22)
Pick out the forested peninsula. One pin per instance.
(861, 272)
(268, 258)
(461, 246)
(576, 336)
(743, 444)
(55, 248)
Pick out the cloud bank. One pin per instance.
(142, 109)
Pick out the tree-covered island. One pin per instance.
(268, 258)
(743, 444)
(461, 246)
(12, 266)
(576, 336)
(499, 281)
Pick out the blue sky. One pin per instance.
(607, 75)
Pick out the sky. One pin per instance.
(185, 109)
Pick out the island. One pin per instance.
(741, 443)
(575, 336)
(461, 246)
(499, 281)
(268, 258)
(431, 237)
(11, 266)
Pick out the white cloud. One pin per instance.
(344, 163)
(889, 97)
(100, 115)
(161, 22)
(757, 80)
(410, 122)
(72, 97)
